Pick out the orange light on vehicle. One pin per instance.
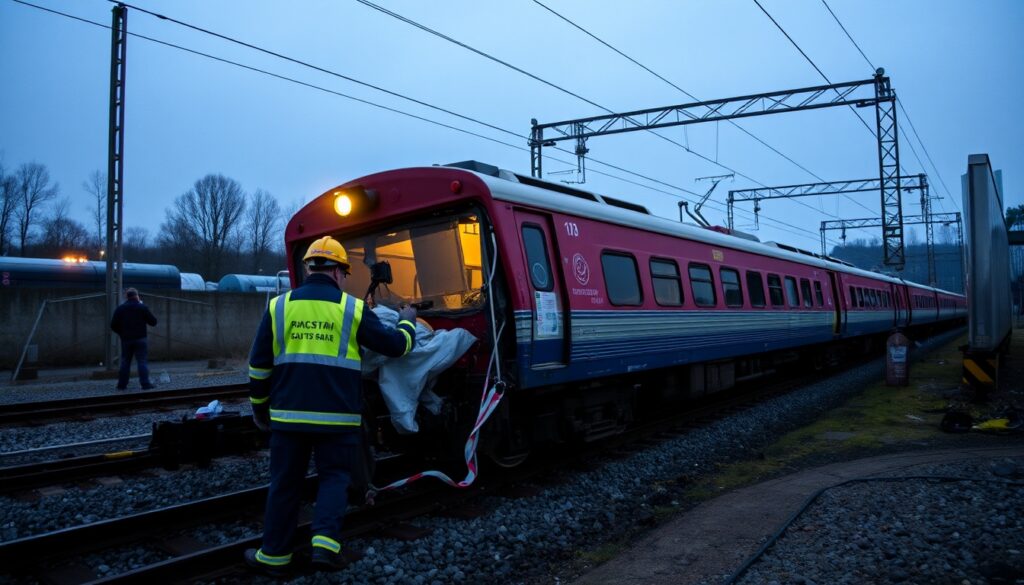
(342, 204)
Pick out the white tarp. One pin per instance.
(408, 381)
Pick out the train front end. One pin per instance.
(415, 236)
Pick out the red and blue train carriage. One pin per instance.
(590, 291)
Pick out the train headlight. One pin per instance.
(342, 204)
(354, 201)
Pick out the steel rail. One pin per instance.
(49, 448)
(30, 553)
(23, 412)
(56, 471)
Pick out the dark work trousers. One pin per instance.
(335, 454)
(139, 349)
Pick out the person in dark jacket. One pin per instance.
(129, 322)
(305, 385)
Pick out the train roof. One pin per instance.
(508, 186)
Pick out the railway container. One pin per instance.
(44, 272)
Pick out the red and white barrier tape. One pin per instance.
(488, 404)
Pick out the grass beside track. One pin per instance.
(881, 419)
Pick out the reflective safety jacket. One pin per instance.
(305, 363)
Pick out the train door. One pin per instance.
(547, 296)
(894, 307)
(839, 307)
(908, 307)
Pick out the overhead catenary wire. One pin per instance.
(681, 90)
(490, 57)
(426, 104)
(906, 115)
(903, 109)
(830, 11)
(809, 60)
(805, 233)
(901, 169)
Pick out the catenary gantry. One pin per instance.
(876, 92)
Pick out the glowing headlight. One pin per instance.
(343, 204)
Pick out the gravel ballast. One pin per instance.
(520, 540)
(102, 427)
(136, 493)
(907, 531)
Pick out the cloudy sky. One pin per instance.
(955, 65)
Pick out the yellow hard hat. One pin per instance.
(328, 249)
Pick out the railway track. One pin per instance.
(190, 442)
(38, 413)
(187, 559)
(51, 556)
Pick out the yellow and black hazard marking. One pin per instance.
(980, 372)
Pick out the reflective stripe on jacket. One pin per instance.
(320, 333)
(305, 363)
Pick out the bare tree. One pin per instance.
(96, 186)
(33, 189)
(262, 220)
(1015, 217)
(8, 206)
(61, 234)
(136, 243)
(204, 220)
(136, 237)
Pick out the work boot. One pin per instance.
(325, 560)
(276, 571)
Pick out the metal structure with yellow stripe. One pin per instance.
(988, 275)
(981, 372)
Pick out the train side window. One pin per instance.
(703, 285)
(853, 296)
(791, 293)
(805, 291)
(537, 258)
(870, 294)
(817, 294)
(755, 288)
(731, 287)
(775, 290)
(621, 279)
(860, 297)
(665, 281)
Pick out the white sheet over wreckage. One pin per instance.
(408, 381)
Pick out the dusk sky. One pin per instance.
(956, 67)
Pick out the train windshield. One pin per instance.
(436, 262)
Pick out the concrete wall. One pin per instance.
(190, 325)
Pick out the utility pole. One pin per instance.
(929, 231)
(115, 174)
